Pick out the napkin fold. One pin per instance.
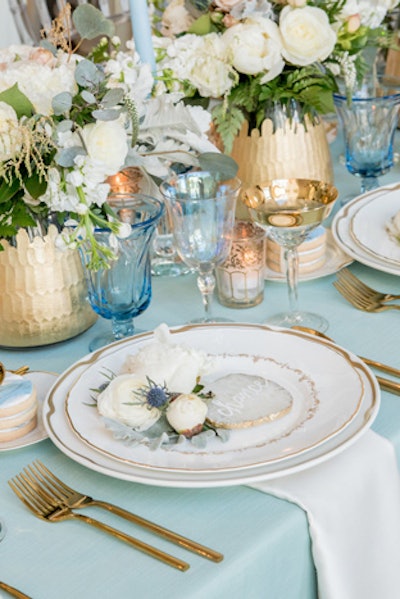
(352, 502)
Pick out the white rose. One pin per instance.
(255, 47)
(10, 134)
(306, 34)
(186, 414)
(119, 402)
(106, 142)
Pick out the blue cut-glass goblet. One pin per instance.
(369, 124)
(122, 290)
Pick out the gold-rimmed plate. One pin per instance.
(359, 228)
(313, 362)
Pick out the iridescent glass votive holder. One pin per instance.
(240, 279)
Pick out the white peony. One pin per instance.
(186, 414)
(307, 35)
(106, 142)
(119, 402)
(255, 47)
(165, 363)
(10, 134)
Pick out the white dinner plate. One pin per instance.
(61, 433)
(326, 393)
(42, 382)
(359, 228)
(336, 259)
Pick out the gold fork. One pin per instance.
(13, 591)
(65, 495)
(43, 506)
(359, 301)
(352, 282)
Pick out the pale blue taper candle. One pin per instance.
(142, 31)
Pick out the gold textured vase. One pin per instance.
(284, 147)
(43, 296)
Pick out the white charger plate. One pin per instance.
(359, 229)
(42, 382)
(66, 439)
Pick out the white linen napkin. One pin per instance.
(352, 503)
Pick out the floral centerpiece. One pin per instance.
(253, 53)
(68, 123)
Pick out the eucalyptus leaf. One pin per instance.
(64, 126)
(67, 156)
(91, 22)
(220, 164)
(88, 97)
(62, 103)
(106, 115)
(15, 98)
(48, 46)
(113, 97)
(87, 74)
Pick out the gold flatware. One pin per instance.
(385, 384)
(359, 286)
(360, 301)
(13, 591)
(43, 506)
(20, 370)
(61, 493)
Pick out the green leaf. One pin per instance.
(61, 103)
(8, 191)
(202, 25)
(106, 115)
(222, 165)
(228, 122)
(88, 97)
(35, 186)
(91, 22)
(15, 98)
(67, 156)
(87, 74)
(112, 97)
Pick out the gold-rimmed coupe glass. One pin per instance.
(288, 209)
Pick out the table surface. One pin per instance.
(265, 540)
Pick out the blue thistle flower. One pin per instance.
(156, 396)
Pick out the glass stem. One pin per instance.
(291, 258)
(122, 328)
(206, 284)
(368, 183)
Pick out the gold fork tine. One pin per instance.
(40, 503)
(361, 302)
(369, 292)
(74, 499)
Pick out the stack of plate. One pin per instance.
(335, 399)
(359, 228)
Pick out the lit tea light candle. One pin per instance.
(126, 181)
(240, 279)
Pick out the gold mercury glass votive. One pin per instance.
(240, 279)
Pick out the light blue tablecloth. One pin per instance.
(265, 540)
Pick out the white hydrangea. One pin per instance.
(371, 12)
